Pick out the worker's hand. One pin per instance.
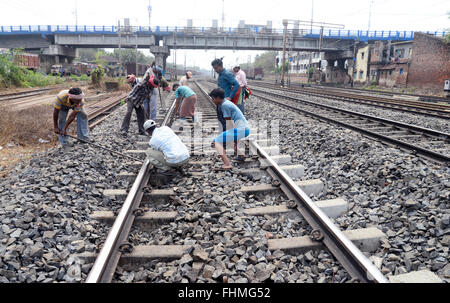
(229, 99)
(167, 89)
(56, 130)
(64, 132)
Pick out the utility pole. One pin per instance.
(137, 71)
(149, 14)
(370, 14)
(76, 12)
(120, 49)
(310, 54)
(223, 14)
(285, 23)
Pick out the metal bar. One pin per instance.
(108, 258)
(342, 248)
(413, 147)
(110, 247)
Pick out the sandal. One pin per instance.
(239, 158)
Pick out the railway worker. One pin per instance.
(233, 115)
(135, 99)
(166, 149)
(157, 72)
(184, 79)
(70, 99)
(132, 80)
(242, 80)
(228, 83)
(187, 98)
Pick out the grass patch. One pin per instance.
(26, 127)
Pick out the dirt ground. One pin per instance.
(26, 125)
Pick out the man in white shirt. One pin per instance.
(242, 80)
(184, 80)
(166, 149)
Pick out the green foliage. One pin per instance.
(87, 54)
(13, 75)
(99, 61)
(129, 56)
(80, 78)
(286, 67)
(97, 75)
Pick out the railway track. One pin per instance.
(99, 111)
(265, 160)
(19, 95)
(417, 107)
(421, 141)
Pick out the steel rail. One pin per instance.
(420, 150)
(351, 258)
(106, 262)
(441, 112)
(365, 116)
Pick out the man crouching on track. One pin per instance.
(70, 99)
(241, 128)
(166, 149)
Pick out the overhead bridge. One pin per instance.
(253, 38)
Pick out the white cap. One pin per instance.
(149, 124)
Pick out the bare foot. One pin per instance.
(227, 166)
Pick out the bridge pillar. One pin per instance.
(161, 53)
(55, 54)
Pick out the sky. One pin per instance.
(417, 15)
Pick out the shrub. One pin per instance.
(97, 75)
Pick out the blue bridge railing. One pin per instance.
(361, 35)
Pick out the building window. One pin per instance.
(362, 55)
(361, 74)
(390, 72)
(401, 71)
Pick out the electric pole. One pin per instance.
(370, 14)
(149, 14)
(76, 12)
(223, 14)
(285, 23)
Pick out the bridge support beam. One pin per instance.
(55, 54)
(161, 53)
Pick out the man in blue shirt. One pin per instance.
(226, 81)
(232, 114)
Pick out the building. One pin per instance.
(389, 63)
(429, 64)
(300, 62)
(360, 69)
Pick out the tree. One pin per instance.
(129, 56)
(88, 54)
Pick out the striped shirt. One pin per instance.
(139, 94)
(62, 100)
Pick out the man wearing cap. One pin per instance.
(166, 149)
(184, 79)
(135, 99)
(157, 72)
(70, 99)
